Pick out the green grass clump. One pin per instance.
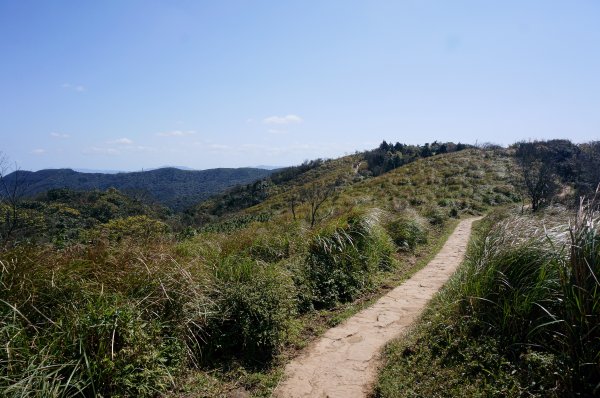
(254, 304)
(407, 232)
(579, 317)
(512, 287)
(344, 256)
(88, 323)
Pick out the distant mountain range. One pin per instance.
(153, 168)
(99, 171)
(170, 186)
(266, 167)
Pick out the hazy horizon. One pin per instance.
(139, 84)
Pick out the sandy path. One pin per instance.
(343, 362)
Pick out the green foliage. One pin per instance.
(512, 288)
(407, 233)
(297, 268)
(520, 318)
(125, 354)
(344, 256)
(587, 169)
(435, 215)
(580, 299)
(274, 190)
(253, 309)
(64, 217)
(271, 248)
(85, 323)
(456, 184)
(391, 156)
(235, 223)
(437, 359)
(106, 269)
(135, 227)
(175, 188)
(94, 346)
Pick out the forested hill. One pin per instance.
(172, 187)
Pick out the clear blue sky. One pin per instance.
(137, 84)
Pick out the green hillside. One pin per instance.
(143, 302)
(520, 317)
(171, 187)
(297, 185)
(461, 182)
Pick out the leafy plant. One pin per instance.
(407, 233)
(254, 304)
(343, 257)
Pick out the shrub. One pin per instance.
(277, 243)
(96, 346)
(254, 304)
(344, 256)
(134, 227)
(296, 266)
(435, 215)
(270, 250)
(407, 233)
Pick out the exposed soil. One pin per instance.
(343, 363)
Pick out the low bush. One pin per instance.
(253, 305)
(278, 242)
(435, 215)
(344, 256)
(407, 233)
(297, 268)
(134, 227)
(116, 323)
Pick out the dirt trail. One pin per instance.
(343, 362)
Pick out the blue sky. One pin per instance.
(138, 84)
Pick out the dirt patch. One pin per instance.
(343, 362)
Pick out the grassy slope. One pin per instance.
(340, 170)
(167, 305)
(499, 328)
(468, 181)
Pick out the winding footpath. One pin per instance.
(343, 363)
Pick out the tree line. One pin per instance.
(389, 156)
